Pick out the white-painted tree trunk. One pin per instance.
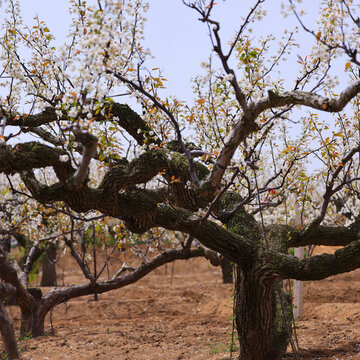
(298, 289)
(298, 285)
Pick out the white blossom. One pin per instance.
(64, 158)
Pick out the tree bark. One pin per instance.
(25, 323)
(260, 325)
(38, 323)
(48, 267)
(8, 334)
(227, 271)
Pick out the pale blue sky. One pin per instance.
(175, 36)
(179, 41)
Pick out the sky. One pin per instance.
(179, 41)
(175, 36)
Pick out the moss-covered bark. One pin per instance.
(33, 155)
(259, 319)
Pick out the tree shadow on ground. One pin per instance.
(352, 348)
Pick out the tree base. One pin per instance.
(260, 323)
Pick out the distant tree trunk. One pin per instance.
(38, 324)
(227, 271)
(8, 334)
(260, 325)
(48, 267)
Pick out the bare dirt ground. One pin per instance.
(186, 316)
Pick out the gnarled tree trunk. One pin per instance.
(260, 325)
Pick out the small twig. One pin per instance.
(83, 264)
(95, 275)
(218, 196)
(330, 191)
(123, 268)
(172, 272)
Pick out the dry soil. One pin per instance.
(184, 312)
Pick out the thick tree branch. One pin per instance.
(124, 175)
(322, 235)
(58, 295)
(308, 99)
(27, 120)
(243, 127)
(129, 120)
(316, 267)
(33, 155)
(150, 214)
(140, 170)
(121, 114)
(235, 247)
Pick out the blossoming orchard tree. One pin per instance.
(227, 170)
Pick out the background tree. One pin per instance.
(60, 229)
(230, 180)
